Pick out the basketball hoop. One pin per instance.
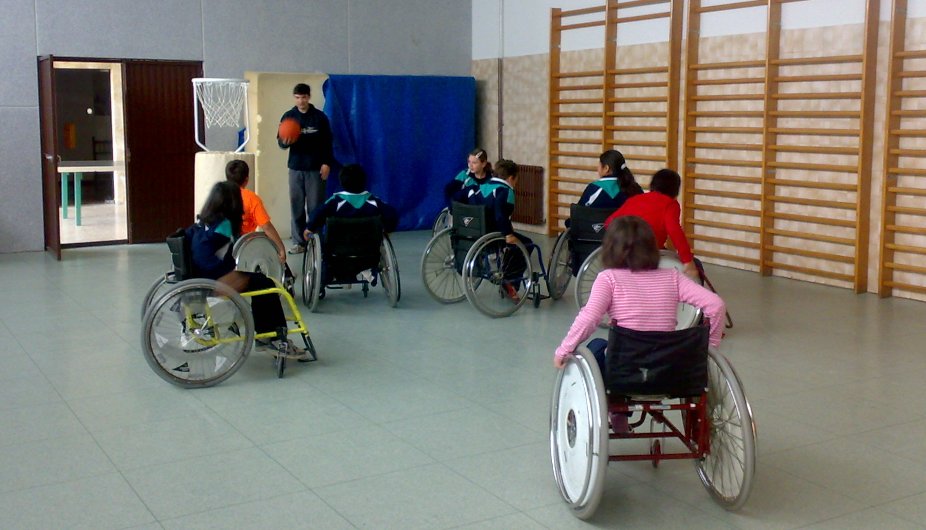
(224, 103)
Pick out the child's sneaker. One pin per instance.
(512, 293)
(288, 347)
(297, 249)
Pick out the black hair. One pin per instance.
(302, 89)
(617, 166)
(237, 171)
(667, 182)
(223, 202)
(629, 243)
(353, 178)
(506, 168)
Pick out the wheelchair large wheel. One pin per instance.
(443, 221)
(729, 468)
(438, 269)
(312, 272)
(256, 252)
(198, 334)
(491, 280)
(389, 272)
(579, 433)
(586, 278)
(686, 316)
(157, 289)
(560, 266)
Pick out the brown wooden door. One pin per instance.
(160, 149)
(51, 181)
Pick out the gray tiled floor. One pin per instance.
(429, 416)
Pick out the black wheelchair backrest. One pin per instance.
(470, 221)
(180, 255)
(587, 224)
(671, 363)
(353, 236)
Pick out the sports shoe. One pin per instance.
(297, 249)
(512, 293)
(288, 347)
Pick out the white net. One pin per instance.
(222, 100)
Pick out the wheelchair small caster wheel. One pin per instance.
(279, 363)
(655, 449)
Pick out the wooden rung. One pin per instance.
(811, 236)
(908, 152)
(639, 71)
(570, 180)
(637, 114)
(906, 171)
(723, 162)
(815, 132)
(725, 194)
(638, 99)
(909, 113)
(817, 149)
(561, 140)
(723, 178)
(906, 287)
(818, 95)
(637, 18)
(829, 221)
(906, 248)
(906, 229)
(910, 74)
(636, 128)
(644, 171)
(646, 158)
(906, 267)
(578, 87)
(803, 201)
(720, 255)
(724, 241)
(642, 143)
(578, 101)
(561, 127)
(911, 93)
(573, 166)
(641, 84)
(907, 191)
(816, 113)
(727, 113)
(817, 77)
(834, 186)
(729, 81)
(911, 54)
(843, 168)
(835, 59)
(737, 147)
(587, 73)
(638, 3)
(581, 11)
(734, 5)
(582, 154)
(907, 210)
(827, 256)
(733, 130)
(810, 271)
(580, 25)
(724, 226)
(730, 97)
(748, 212)
(576, 114)
(728, 64)
(909, 132)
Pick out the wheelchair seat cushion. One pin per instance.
(672, 363)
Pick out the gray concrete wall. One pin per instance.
(404, 37)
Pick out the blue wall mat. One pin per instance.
(410, 133)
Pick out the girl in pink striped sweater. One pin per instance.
(635, 293)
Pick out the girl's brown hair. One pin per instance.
(629, 243)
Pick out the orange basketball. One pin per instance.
(289, 130)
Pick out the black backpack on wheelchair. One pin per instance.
(586, 231)
(351, 246)
(470, 222)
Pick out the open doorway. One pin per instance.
(91, 151)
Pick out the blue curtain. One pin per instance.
(410, 133)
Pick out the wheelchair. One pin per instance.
(695, 403)
(352, 247)
(470, 260)
(198, 332)
(582, 237)
(442, 221)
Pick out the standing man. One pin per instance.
(309, 162)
